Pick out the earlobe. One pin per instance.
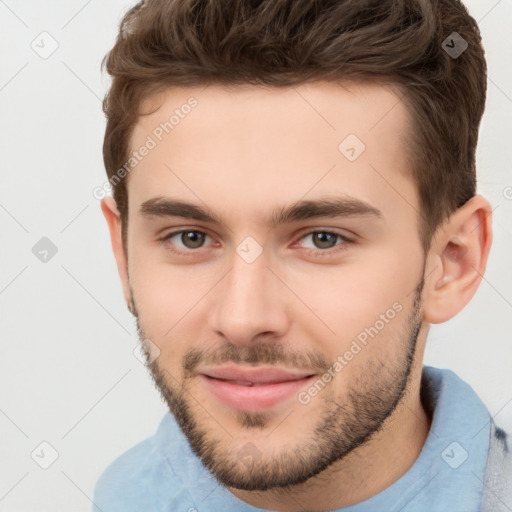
(113, 218)
(461, 249)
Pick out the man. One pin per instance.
(293, 205)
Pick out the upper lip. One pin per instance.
(258, 375)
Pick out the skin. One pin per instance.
(244, 152)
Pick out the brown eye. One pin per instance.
(324, 239)
(192, 239)
(186, 239)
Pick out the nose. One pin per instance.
(250, 302)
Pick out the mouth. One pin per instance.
(253, 389)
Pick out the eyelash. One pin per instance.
(317, 252)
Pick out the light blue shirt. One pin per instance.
(162, 473)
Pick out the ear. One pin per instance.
(113, 218)
(459, 252)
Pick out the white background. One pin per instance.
(68, 373)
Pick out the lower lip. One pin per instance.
(253, 398)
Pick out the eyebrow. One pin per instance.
(300, 210)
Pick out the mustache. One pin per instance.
(261, 353)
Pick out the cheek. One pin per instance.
(172, 303)
(367, 295)
(162, 290)
(160, 295)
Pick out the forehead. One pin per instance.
(234, 146)
(324, 108)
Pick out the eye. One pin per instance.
(324, 240)
(320, 242)
(187, 239)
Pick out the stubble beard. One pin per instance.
(345, 423)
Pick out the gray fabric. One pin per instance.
(497, 492)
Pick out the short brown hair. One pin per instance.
(165, 43)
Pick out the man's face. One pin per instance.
(286, 329)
